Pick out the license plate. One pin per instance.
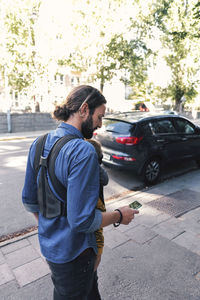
(106, 156)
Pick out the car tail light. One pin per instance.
(94, 133)
(124, 158)
(129, 140)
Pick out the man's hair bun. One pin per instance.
(61, 113)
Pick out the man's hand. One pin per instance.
(127, 214)
(114, 216)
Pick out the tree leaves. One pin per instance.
(18, 44)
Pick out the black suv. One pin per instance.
(145, 143)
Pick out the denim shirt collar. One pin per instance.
(67, 128)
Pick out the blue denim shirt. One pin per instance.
(63, 238)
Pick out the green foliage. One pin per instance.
(196, 20)
(174, 19)
(103, 49)
(114, 53)
(196, 10)
(77, 61)
(160, 12)
(18, 45)
(121, 55)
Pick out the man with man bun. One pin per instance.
(67, 241)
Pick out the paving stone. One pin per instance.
(164, 187)
(158, 270)
(112, 206)
(6, 274)
(9, 288)
(2, 259)
(14, 246)
(191, 225)
(190, 241)
(136, 222)
(146, 197)
(31, 271)
(141, 234)
(21, 256)
(123, 202)
(107, 228)
(35, 242)
(41, 289)
(193, 214)
(152, 220)
(114, 238)
(148, 217)
(150, 211)
(170, 228)
(120, 203)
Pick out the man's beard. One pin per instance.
(87, 128)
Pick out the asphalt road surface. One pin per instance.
(13, 157)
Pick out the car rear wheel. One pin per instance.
(152, 171)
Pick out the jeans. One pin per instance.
(75, 280)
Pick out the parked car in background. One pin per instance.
(145, 143)
(170, 112)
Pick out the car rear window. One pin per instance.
(118, 126)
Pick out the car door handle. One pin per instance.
(184, 139)
(160, 140)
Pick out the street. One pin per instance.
(166, 231)
(13, 157)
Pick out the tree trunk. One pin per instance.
(177, 105)
(101, 86)
(102, 80)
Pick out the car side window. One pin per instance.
(183, 126)
(162, 126)
(146, 129)
(117, 126)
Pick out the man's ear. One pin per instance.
(84, 110)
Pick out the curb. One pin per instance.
(14, 138)
(18, 238)
(17, 136)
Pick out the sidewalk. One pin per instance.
(21, 135)
(156, 257)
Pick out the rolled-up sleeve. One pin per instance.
(83, 193)
(96, 223)
(29, 192)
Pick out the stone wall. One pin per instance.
(27, 122)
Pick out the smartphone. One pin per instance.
(135, 205)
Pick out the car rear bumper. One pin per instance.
(133, 166)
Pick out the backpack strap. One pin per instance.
(51, 162)
(59, 188)
(39, 152)
(49, 205)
